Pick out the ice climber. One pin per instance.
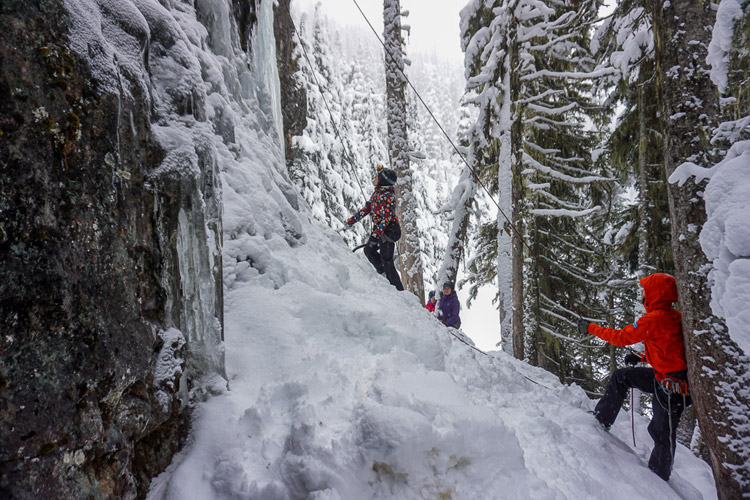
(660, 330)
(386, 230)
(431, 302)
(449, 307)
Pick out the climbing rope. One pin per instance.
(482, 352)
(542, 266)
(462, 340)
(632, 413)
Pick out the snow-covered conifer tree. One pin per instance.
(460, 206)
(487, 70)
(435, 170)
(398, 146)
(625, 42)
(561, 179)
(527, 65)
(326, 166)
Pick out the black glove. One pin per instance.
(373, 242)
(583, 326)
(632, 359)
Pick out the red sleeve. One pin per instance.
(631, 334)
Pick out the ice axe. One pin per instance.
(359, 246)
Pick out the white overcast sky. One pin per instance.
(434, 23)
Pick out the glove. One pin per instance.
(345, 227)
(373, 242)
(632, 359)
(583, 326)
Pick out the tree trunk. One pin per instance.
(504, 239)
(293, 93)
(408, 246)
(539, 346)
(516, 138)
(454, 251)
(716, 368)
(643, 205)
(643, 209)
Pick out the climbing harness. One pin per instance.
(674, 386)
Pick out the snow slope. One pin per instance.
(341, 387)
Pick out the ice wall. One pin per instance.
(266, 68)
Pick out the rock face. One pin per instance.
(293, 95)
(110, 247)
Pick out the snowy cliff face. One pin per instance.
(293, 95)
(116, 117)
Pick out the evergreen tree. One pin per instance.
(398, 146)
(461, 206)
(440, 86)
(563, 188)
(487, 70)
(625, 41)
(326, 165)
(527, 64)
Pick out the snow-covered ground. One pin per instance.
(343, 388)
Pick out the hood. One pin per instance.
(659, 291)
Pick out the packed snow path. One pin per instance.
(343, 388)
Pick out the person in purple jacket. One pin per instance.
(449, 307)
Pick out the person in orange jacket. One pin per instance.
(660, 330)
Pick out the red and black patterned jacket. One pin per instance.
(382, 209)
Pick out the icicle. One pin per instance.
(265, 64)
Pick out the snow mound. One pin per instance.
(725, 240)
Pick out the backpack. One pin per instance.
(392, 232)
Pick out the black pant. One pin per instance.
(381, 256)
(667, 411)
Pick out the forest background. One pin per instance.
(586, 136)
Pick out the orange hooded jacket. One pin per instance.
(660, 329)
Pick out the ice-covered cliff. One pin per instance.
(116, 117)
